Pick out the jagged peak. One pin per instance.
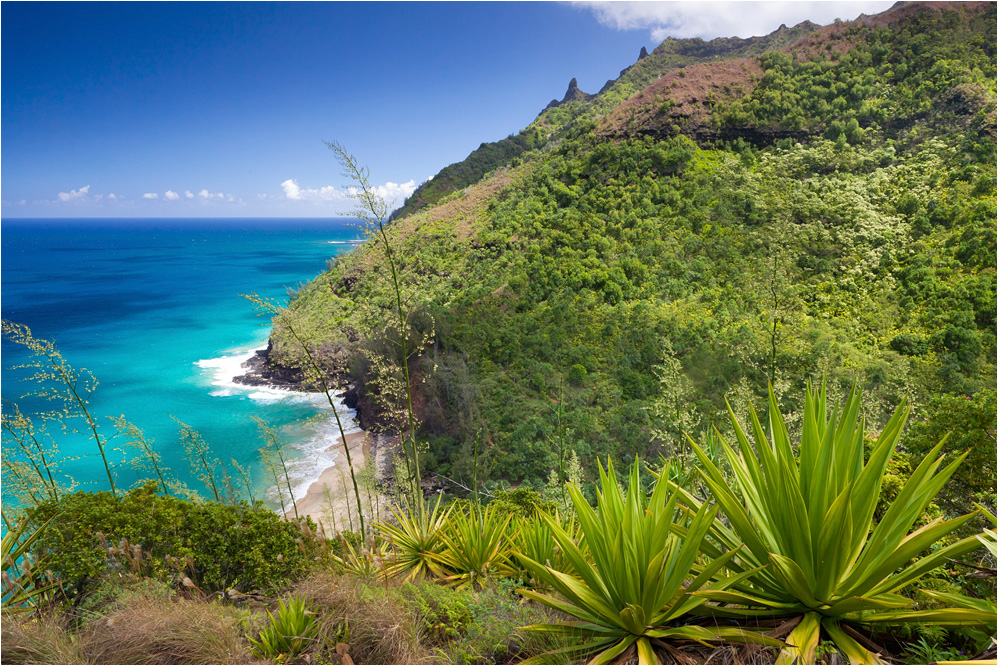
(573, 94)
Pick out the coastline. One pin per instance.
(330, 499)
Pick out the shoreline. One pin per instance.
(330, 500)
(328, 497)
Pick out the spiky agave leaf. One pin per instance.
(476, 546)
(415, 540)
(535, 540)
(633, 585)
(24, 583)
(366, 561)
(289, 632)
(807, 517)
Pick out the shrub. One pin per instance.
(218, 546)
(577, 374)
(444, 613)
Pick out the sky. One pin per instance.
(208, 109)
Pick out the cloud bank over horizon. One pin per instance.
(325, 200)
(393, 193)
(709, 20)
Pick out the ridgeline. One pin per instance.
(815, 204)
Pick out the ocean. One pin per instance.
(153, 308)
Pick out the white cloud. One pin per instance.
(74, 194)
(171, 195)
(291, 189)
(391, 192)
(150, 195)
(188, 194)
(112, 196)
(723, 19)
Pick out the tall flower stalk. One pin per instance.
(59, 382)
(309, 364)
(373, 213)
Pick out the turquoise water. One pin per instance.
(153, 309)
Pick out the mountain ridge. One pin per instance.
(621, 270)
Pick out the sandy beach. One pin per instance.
(330, 499)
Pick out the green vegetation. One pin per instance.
(638, 578)
(611, 285)
(289, 632)
(214, 546)
(807, 512)
(602, 262)
(650, 572)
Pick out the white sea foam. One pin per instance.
(357, 241)
(316, 450)
(313, 441)
(226, 368)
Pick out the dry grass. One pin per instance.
(381, 631)
(37, 641)
(151, 628)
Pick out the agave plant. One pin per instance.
(535, 541)
(366, 561)
(24, 582)
(476, 546)
(806, 519)
(633, 595)
(415, 540)
(289, 632)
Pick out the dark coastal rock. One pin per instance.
(261, 371)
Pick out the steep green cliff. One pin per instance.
(819, 203)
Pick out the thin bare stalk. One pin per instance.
(346, 498)
(328, 392)
(196, 449)
(138, 439)
(244, 475)
(48, 482)
(373, 209)
(276, 447)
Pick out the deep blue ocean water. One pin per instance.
(153, 309)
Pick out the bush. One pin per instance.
(218, 546)
(444, 613)
(577, 374)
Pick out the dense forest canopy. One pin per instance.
(816, 204)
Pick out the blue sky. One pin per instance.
(220, 109)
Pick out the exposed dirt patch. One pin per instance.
(464, 209)
(830, 42)
(685, 98)
(682, 101)
(903, 12)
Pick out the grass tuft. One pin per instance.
(150, 627)
(40, 640)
